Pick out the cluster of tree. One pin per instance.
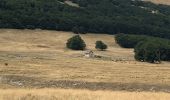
(152, 51)
(129, 41)
(99, 16)
(149, 49)
(77, 43)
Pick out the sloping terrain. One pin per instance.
(95, 16)
(39, 59)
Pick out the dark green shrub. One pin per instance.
(76, 43)
(100, 45)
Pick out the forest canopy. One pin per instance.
(98, 16)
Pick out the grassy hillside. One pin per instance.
(39, 59)
(32, 59)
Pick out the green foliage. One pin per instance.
(154, 50)
(76, 43)
(75, 30)
(139, 52)
(148, 51)
(100, 45)
(99, 16)
(129, 41)
(82, 30)
(78, 30)
(147, 48)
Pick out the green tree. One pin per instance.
(152, 52)
(76, 43)
(100, 45)
(139, 52)
(148, 51)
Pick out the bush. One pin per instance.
(76, 43)
(100, 45)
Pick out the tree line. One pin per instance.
(146, 48)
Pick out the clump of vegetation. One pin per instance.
(130, 40)
(152, 51)
(76, 43)
(147, 48)
(147, 51)
(100, 45)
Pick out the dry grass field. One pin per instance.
(38, 59)
(62, 94)
(167, 2)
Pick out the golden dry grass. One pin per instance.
(62, 94)
(166, 2)
(40, 55)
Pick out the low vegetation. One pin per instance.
(100, 45)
